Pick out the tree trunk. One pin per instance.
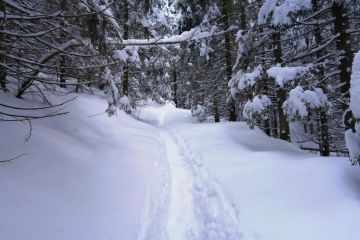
(341, 25)
(61, 72)
(147, 11)
(284, 130)
(226, 4)
(175, 87)
(266, 121)
(324, 145)
(62, 58)
(216, 110)
(2, 59)
(126, 36)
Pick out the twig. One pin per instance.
(11, 159)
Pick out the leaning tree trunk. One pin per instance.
(284, 130)
(226, 4)
(341, 25)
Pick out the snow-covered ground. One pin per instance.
(84, 178)
(269, 188)
(160, 175)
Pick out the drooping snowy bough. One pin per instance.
(353, 137)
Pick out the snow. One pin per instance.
(124, 103)
(200, 112)
(275, 190)
(161, 175)
(256, 106)
(248, 79)
(283, 75)
(353, 138)
(193, 205)
(353, 144)
(83, 178)
(121, 55)
(281, 14)
(300, 100)
(194, 34)
(355, 87)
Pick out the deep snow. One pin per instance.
(161, 175)
(278, 191)
(84, 178)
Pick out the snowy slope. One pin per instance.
(83, 178)
(160, 175)
(278, 191)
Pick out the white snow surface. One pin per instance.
(275, 190)
(162, 175)
(84, 178)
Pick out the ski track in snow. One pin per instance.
(187, 204)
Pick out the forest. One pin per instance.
(277, 76)
(279, 65)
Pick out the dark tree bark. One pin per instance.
(147, 10)
(284, 130)
(126, 36)
(227, 6)
(2, 59)
(62, 72)
(324, 145)
(341, 25)
(216, 110)
(62, 58)
(175, 88)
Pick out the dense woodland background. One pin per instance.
(281, 65)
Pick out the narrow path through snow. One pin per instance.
(185, 203)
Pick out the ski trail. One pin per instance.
(215, 214)
(157, 198)
(186, 203)
(181, 222)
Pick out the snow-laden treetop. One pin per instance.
(276, 13)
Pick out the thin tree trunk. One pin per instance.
(62, 58)
(216, 110)
(324, 145)
(175, 87)
(341, 25)
(126, 36)
(226, 4)
(2, 59)
(284, 130)
(61, 72)
(147, 11)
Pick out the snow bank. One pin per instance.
(85, 175)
